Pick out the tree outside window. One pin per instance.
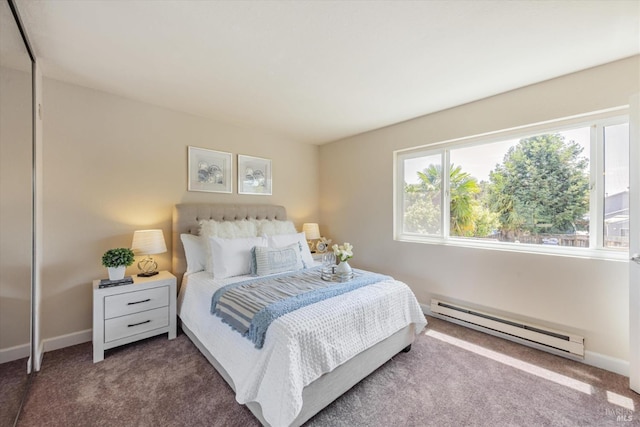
(534, 190)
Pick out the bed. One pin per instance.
(291, 379)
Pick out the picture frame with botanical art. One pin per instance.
(210, 170)
(254, 175)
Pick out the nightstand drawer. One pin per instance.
(137, 323)
(133, 302)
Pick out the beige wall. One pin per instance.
(589, 297)
(112, 165)
(15, 207)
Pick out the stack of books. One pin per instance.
(106, 283)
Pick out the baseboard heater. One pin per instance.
(557, 340)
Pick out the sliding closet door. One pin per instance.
(16, 213)
(634, 242)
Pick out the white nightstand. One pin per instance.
(128, 313)
(317, 256)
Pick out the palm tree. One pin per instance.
(463, 188)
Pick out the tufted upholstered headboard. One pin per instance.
(187, 215)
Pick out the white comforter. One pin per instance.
(300, 346)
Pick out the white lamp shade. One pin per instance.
(148, 242)
(311, 230)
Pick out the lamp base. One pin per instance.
(149, 274)
(148, 267)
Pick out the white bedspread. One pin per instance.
(300, 346)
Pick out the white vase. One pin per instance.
(343, 268)
(116, 273)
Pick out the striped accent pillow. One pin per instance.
(275, 260)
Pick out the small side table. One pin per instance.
(128, 313)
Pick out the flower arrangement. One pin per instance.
(343, 252)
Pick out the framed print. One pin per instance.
(254, 175)
(210, 170)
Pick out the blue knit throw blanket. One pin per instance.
(250, 306)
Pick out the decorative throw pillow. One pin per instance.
(232, 257)
(282, 240)
(194, 252)
(276, 260)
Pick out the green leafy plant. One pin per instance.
(117, 257)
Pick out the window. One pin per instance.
(560, 187)
(616, 186)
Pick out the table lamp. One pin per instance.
(312, 233)
(148, 242)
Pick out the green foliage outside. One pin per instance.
(541, 186)
(468, 217)
(421, 216)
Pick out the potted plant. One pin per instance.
(117, 260)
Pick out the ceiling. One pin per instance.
(318, 71)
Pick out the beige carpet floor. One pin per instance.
(13, 385)
(453, 376)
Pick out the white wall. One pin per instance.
(112, 166)
(583, 296)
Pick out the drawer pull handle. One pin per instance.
(141, 323)
(139, 302)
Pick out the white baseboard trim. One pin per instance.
(18, 352)
(67, 340)
(602, 361)
(14, 353)
(591, 358)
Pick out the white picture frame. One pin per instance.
(210, 171)
(254, 175)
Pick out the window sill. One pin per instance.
(584, 253)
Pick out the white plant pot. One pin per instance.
(116, 273)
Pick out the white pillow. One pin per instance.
(194, 252)
(232, 257)
(275, 260)
(282, 240)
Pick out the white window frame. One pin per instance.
(602, 119)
